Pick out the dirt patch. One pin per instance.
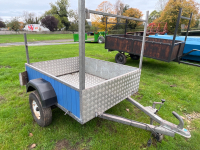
(5, 67)
(99, 122)
(173, 85)
(111, 128)
(63, 144)
(189, 118)
(138, 95)
(1, 98)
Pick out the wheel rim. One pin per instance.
(100, 41)
(36, 109)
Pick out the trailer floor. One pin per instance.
(73, 79)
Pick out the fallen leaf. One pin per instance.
(158, 93)
(30, 134)
(127, 109)
(33, 146)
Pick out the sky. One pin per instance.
(15, 8)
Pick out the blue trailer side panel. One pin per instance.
(66, 96)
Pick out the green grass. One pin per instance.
(35, 37)
(16, 121)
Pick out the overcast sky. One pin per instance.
(15, 8)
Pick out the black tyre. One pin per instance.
(43, 116)
(101, 39)
(135, 57)
(120, 58)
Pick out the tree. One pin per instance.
(154, 15)
(59, 11)
(119, 7)
(73, 14)
(135, 13)
(100, 21)
(87, 26)
(197, 22)
(30, 18)
(170, 13)
(14, 24)
(2, 24)
(50, 22)
(126, 7)
(160, 5)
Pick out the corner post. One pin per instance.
(126, 27)
(144, 39)
(81, 12)
(188, 27)
(26, 47)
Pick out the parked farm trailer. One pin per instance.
(84, 88)
(160, 49)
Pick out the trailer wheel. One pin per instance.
(120, 58)
(101, 39)
(135, 57)
(43, 116)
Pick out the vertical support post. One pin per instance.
(126, 26)
(26, 47)
(188, 27)
(175, 32)
(144, 39)
(106, 25)
(81, 13)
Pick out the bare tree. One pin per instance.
(119, 7)
(30, 18)
(160, 5)
(73, 14)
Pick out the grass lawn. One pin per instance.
(178, 84)
(35, 37)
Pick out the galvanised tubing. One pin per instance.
(144, 39)
(182, 17)
(141, 107)
(81, 12)
(136, 124)
(113, 15)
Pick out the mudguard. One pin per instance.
(45, 90)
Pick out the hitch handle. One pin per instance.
(181, 123)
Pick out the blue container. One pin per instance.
(191, 43)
